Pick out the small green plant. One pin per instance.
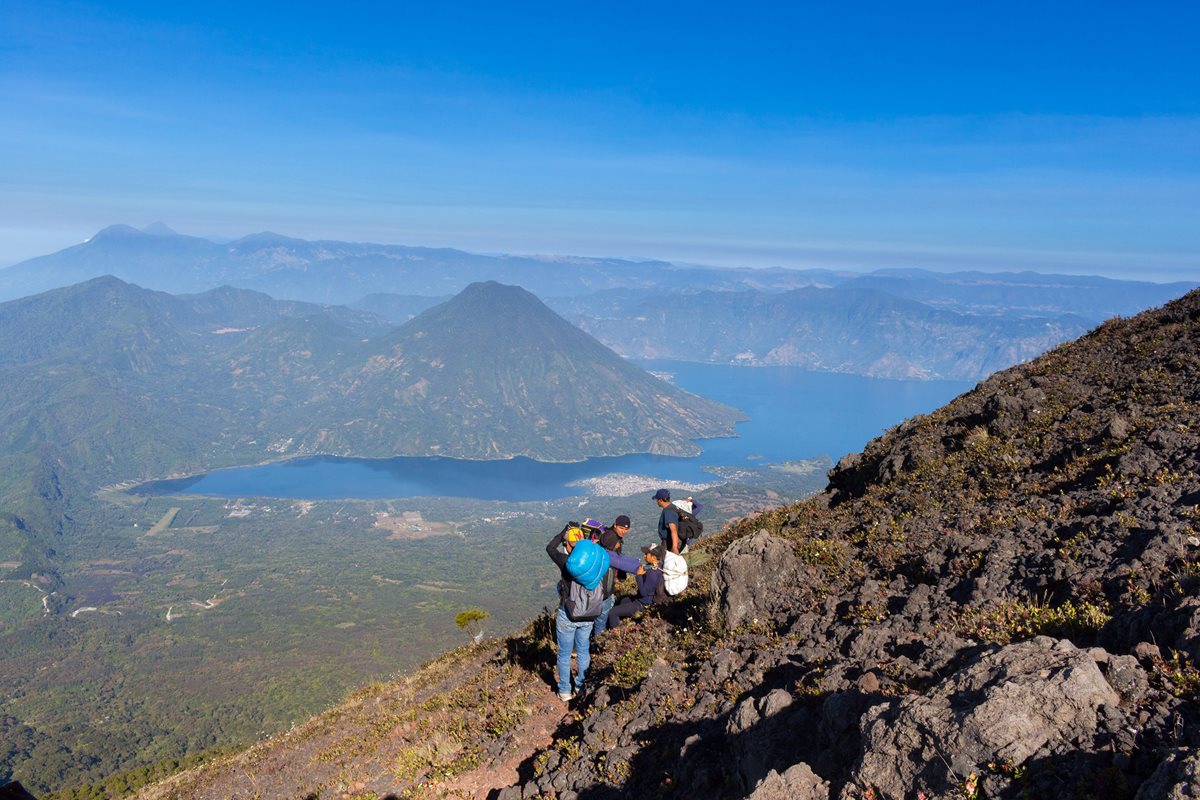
(1181, 673)
(570, 748)
(969, 786)
(632, 667)
(1008, 768)
(471, 621)
(1017, 619)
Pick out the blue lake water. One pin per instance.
(794, 414)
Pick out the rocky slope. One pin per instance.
(996, 600)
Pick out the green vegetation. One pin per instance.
(1017, 619)
(470, 621)
(278, 609)
(137, 632)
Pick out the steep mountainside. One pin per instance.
(493, 373)
(995, 600)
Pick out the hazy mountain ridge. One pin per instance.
(996, 599)
(890, 323)
(844, 329)
(345, 272)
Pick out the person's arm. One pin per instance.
(673, 527)
(553, 550)
(622, 563)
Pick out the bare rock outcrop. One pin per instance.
(1007, 707)
(797, 782)
(750, 577)
(1177, 778)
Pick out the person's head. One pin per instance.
(653, 554)
(621, 525)
(573, 537)
(662, 497)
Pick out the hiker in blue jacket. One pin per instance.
(650, 584)
(611, 540)
(573, 635)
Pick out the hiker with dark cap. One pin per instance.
(668, 522)
(611, 540)
(649, 583)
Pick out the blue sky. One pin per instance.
(1050, 136)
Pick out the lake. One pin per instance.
(794, 415)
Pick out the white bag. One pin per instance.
(674, 570)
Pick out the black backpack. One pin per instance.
(690, 527)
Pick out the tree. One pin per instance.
(471, 621)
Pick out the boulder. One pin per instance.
(1177, 778)
(797, 782)
(751, 576)
(1010, 704)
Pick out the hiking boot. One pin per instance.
(566, 697)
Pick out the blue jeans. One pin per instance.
(601, 623)
(572, 636)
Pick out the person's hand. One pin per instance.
(641, 571)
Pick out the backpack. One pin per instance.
(590, 529)
(675, 573)
(690, 527)
(583, 604)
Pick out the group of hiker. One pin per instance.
(589, 557)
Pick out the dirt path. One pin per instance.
(534, 734)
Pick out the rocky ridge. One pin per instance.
(997, 600)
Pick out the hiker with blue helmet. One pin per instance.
(583, 564)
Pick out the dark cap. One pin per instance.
(622, 520)
(662, 494)
(654, 549)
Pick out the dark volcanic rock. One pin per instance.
(1011, 705)
(751, 578)
(1177, 778)
(798, 782)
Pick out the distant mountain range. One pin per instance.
(345, 272)
(891, 323)
(847, 328)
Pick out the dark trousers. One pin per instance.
(626, 608)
